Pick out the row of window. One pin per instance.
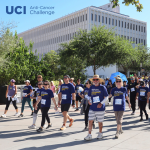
(117, 23)
(58, 26)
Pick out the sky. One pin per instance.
(62, 8)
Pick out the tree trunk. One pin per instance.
(94, 69)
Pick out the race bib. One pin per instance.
(142, 93)
(132, 89)
(86, 96)
(24, 94)
(118, 101)
(96, 99)
(43, 101)
(64, 96)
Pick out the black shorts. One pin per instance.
(78, 99)
(65, 107)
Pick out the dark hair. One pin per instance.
(78, 80)
(89, 81)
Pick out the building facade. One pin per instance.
(49, 36)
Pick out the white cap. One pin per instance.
(140, 79)
(27, 81)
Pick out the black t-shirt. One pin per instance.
(132, 88)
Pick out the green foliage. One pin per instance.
(138, 6)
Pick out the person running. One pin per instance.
(109, 88)
(28, 89)
(97, 97)
(132, 88)
(10, 95)
(45, 97)
(86, 106)
(120, 95)
(143, 94)
(40, 87)
(67, 93)
(78, 98)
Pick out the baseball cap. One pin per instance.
(12, 80)
(27, 81)
(67, 76)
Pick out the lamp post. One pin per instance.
(141, 68)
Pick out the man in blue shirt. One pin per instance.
(67, 93)
(97, 96)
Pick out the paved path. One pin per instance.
(15, 135)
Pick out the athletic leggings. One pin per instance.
(45, 115)
(8, 103)
(143, 107)
(23, 104)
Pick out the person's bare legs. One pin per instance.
(90, 126)
(100, 127)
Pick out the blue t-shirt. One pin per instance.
(38, 93)
(85, 92)
(142, 91)
(77, 88)
(97, 94)
(67, 90)
(119, 98)
(46, 97)
(26, 90)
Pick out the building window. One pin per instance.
(133, 26)
(99, 18)
(139, 40)
(122, 24)
(130, 26)
(133, 39)
(73, 20)
(106, 19)
(144, 29)
(83, 17)
(136, 40)
(130, 38)
(127, 37)
(139, 28)
(144, 42)
(86, 16)
(119, 23)
(116, 23)
(136, 27)
(125, 25)
(92, 17)
(102, 19)
(78, 19)
(113, 22)
(109, 21)
(95, 17)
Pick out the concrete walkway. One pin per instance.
(15, 135)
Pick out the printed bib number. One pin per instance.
(132, 89)
(118, 101)
(24, 94)
(142, 93)
(96, 99)
(64, 96)
(86, 96)
(43, 101)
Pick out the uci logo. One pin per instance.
(17, 10)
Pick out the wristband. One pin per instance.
(73, 102)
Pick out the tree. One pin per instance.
(138, 6)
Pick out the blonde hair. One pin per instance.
(61, 81)
(52, 82)
(121, 82)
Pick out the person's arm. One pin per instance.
(148, 94)
(31, 90)
(110, 95)
(15, 91)
(127, 98)
(82, 96)
(7, 91)
(73, 99)
(136, 95)
(60, 97)
(54, 89)
(38, 100)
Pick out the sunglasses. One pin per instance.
(86, 83)
(95, 79)
(39, 84)
(46, 84)
(118, 81)
(65, 77)
(38, 77)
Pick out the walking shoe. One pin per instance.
(133, 113)
(88, 137)
(32, 127)
(17, 114)
(77, 109)
(39, 130)
(100, 135)
(45, 126)
(117, 135)
(63, 127)
(21, 115)
(141, 119)
(93, 126)
(71, 122)
(85, 129)
(49, 125)
(147, 117)
(121, 131)
(32, 114)
(3, 116)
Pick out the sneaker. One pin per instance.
(49, 126)
(39, 130)
(133, 113)
(63, 127)
(32, 114)
(93, 126)
(88, 137)
(109, 103)
(32, 127)
(77, 109)
(3, 116)
(71, 122)
(117, 135)
(21, 115)
(45, 126)
(100, 135)
(17, 114)
(85, 129)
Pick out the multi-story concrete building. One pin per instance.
(49, 36)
